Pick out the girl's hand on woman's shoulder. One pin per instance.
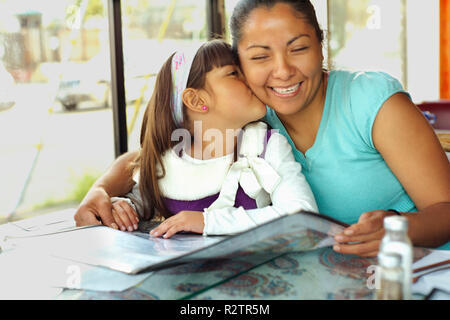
(364, 237)
(190, 221)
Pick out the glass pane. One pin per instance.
(362, 34)
(368, 35)
(55, 116)
(152, 31)
(229, 6)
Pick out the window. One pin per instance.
(56, 118)
(384, 36)
(56, 121)
(152, 31)
(55, 115)
(368, 35)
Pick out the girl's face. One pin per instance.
(281, 58)
(230, 101)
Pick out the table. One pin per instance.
(437, 131)
(318, 274)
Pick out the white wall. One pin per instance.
(322, 16)
(423, 50)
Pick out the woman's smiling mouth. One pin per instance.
(286, 92)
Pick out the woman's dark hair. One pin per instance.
(158, 124)
(244, 8)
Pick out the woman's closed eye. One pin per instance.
(262, 57)
(256, 58)
(299, 49)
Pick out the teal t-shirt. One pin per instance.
(347, 174)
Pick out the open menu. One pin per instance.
(137, 252)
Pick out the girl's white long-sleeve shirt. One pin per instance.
(265, 170)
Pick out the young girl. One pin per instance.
(228, 173)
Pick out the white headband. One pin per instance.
(181, 67)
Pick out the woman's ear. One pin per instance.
(192, 100)
(322, 57)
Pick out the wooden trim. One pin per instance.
(445, 48)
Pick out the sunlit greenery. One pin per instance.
(81, 186)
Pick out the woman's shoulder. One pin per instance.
(362, 91)
(359, 95)
(365, 83)
(359, 74)
(363, 79)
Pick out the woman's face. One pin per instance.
(281, 58)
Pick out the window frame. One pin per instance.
(117, 77)
(215, 16)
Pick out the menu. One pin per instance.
(138, 252)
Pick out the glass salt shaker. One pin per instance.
(396, 241)
(389, 277)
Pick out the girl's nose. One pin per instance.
(240, 74)
(282, 69)
(242, 77)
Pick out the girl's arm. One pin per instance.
(412, 151)
(291, 195)
(96, 206)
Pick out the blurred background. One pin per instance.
(56, 115)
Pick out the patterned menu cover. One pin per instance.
(137, 252)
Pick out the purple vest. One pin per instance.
(242, 199)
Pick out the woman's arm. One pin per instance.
(412, 151)
(96, 206)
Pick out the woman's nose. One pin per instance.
(282, 68)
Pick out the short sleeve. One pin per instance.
(368, 92)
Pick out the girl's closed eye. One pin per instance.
(233, 72)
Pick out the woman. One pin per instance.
(364, 146)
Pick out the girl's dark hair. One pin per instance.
(158, 124)
(244, 8)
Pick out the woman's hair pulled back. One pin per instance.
(244, 8)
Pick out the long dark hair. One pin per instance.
(244, 8)
(158, 124)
